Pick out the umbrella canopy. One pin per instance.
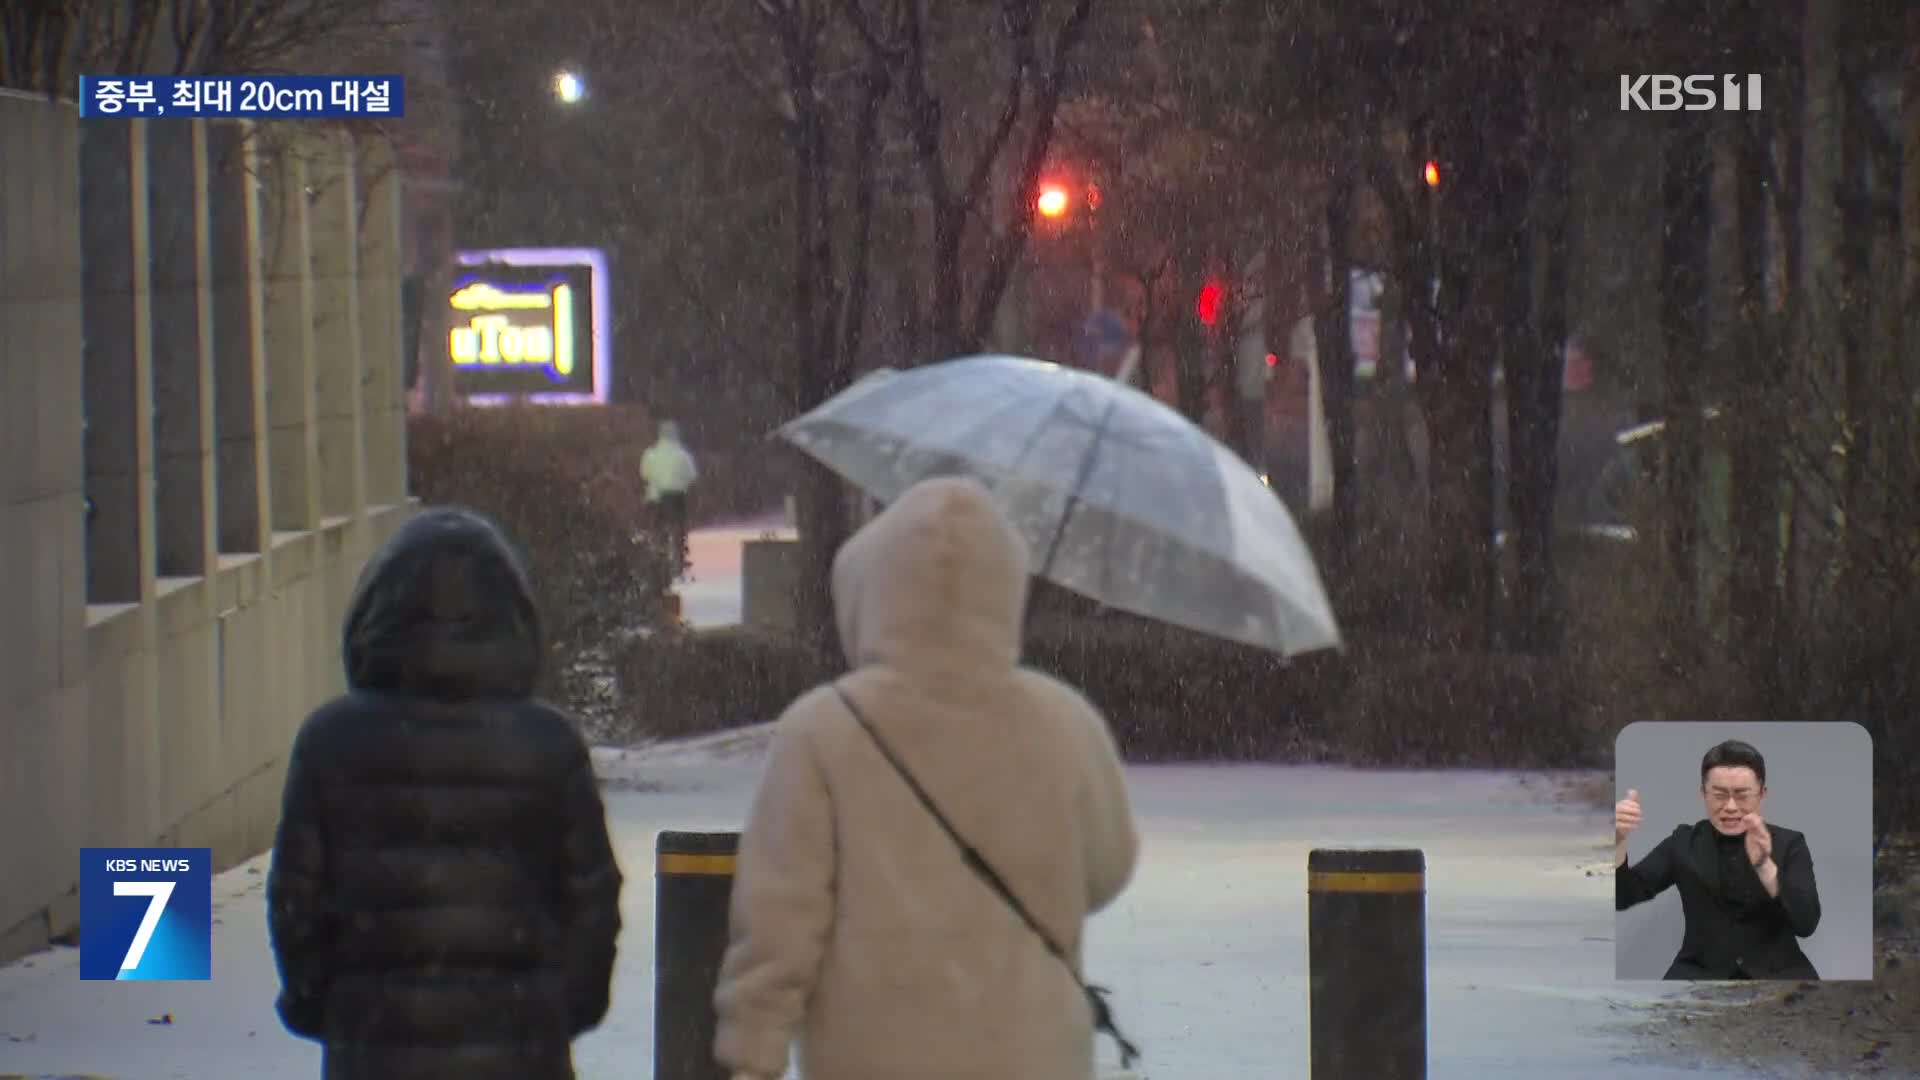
(1120, 498)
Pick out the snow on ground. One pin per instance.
(1206, 952)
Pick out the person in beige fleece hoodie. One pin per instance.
(856, 926)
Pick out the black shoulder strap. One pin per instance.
(968, 853)
(1103, 1020)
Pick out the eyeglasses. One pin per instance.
(1723, 797)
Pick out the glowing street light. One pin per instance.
(568, 88)
(1052, 202)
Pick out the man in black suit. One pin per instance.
(1746, 886)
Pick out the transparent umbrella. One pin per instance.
(1119, 497)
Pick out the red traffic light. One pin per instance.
(1431, 174)
(1052, 201)
(1213, 296)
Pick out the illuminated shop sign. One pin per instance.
(530, 324)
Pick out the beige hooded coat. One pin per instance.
(856, 928)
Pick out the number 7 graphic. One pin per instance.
(157, 894)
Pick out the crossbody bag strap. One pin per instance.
(968, 853)
(1103, 1019)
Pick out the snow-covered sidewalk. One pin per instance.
(1206, 952)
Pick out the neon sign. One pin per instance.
(496, 337)
(530, 324)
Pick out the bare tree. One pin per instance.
(47, 45)
(1175, 209)
(914, 45)
(848, 77)
(831, 103)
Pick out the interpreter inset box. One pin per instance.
(1748, 851)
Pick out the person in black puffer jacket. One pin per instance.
(444, 900)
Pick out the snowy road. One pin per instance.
(1206, 952)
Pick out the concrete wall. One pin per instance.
(204, 438)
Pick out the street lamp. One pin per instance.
(1052, 202)
(568, 88)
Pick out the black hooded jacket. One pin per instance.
(444, 899)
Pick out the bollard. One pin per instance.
(692, 887)
(1367, 964)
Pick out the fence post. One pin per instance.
(693, 886)
(1367, 964)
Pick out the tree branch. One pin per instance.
(876, 86)
(1005, 251)
(923, 109)
(734, 57)
(876, 48)
(1020, 29)
(1383, 177)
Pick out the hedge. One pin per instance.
(1174, 695)
(681, 683)
(1478, 710)
(1171, 695)
(565, 484)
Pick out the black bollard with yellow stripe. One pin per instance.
(693, 886)
(1367, 963)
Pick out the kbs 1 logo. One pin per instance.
(1692, 93)
(146, 913)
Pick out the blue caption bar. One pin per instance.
(252, 97)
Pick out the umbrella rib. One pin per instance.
(1039, 429)
(1079, 486)
(1032, 438)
